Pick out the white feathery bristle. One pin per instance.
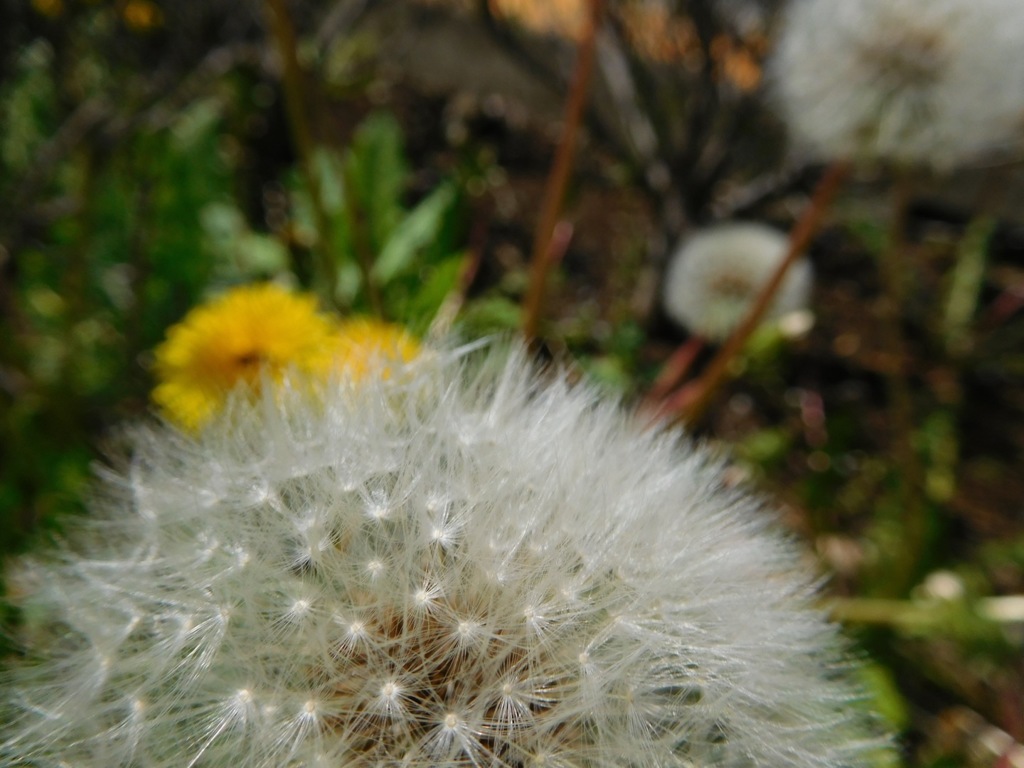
(464, 565)
(717, 273)
(930, 82)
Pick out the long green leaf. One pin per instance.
(414, 232)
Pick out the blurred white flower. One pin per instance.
(932, 82)
(460, 567)
(717, 273)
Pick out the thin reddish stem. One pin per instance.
(558, 179)
(674, 370)
(799, 239)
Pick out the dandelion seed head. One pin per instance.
(717, 273)
(935, 83)
(604, 598)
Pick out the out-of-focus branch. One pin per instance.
(558, 179)
(892, 264)
(799, 239)
(552, 78)
(302, 135)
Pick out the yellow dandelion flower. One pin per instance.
(246, 332)
(370, 346)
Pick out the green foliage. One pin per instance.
(495, 314)
(92, 292)
(966, 281)
(390, 259)
(240, 254)
(27, 108)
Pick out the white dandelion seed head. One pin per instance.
(924, 82)
(646, 613)
(716, 274)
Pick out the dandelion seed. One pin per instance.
(467, 632)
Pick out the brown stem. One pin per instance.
(558, 179)
(799, 238)
(675, 402)
(302, 135)
(558, 245)
(674, 370)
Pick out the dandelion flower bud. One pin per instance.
(458, 566)
(931, 82)
(715, 277)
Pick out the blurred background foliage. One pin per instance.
(391, 156)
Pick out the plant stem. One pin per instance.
(558, 179)
(799, 238)
(302, 135)
(892, 269)
(886, 612)
(673, 372)
(1008, 609)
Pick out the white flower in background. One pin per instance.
(460, 567)
(933, 82)
(715, 276)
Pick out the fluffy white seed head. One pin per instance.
(931, 82)
(550, 585)
(717, 273)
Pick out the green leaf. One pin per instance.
(966, 282)
(349, 281)
(414, 232)
(377, 171)
(884, 694)
(329, 170)
(608, 371)
(491, 315)
(427, 300)
(195, 123)
(242, 254)
(259, 255)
